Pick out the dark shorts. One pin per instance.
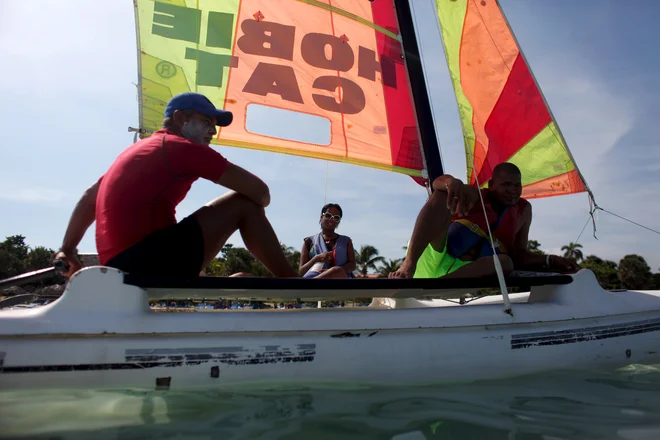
(174, 251)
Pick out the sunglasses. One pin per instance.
(328, 216)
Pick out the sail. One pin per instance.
(316, 78)
(504, 115)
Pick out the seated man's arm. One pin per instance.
(188, 158)
(81, 219)
(246, 183)
(461, 198)
(523, 259)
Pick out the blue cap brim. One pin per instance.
(223, 118)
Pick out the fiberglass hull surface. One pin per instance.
(112, 339)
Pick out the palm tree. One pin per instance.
(572, 250)
(367, 258)
(389, 267)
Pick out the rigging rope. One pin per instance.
(592, 211)
(628, 220)
(591, 217)
(577, 240)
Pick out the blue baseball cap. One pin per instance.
(199, 103)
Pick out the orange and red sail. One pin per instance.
(316, 78)
(502, 110)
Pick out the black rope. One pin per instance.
(628, 220)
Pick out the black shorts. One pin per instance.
(174, 251)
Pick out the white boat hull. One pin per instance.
(102, 334)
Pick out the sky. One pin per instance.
(69, 95)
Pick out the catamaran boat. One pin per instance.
(353, 68)
(102, 333)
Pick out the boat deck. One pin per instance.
(291, 289)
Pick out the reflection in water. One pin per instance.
(621, 405)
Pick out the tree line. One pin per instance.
(631, 272)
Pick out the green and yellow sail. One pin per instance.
(502, 110)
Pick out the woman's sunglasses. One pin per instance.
(328, 216)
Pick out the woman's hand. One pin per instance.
(325, 257)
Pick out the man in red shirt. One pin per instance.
(134, 202)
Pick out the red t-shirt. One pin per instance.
(139, 193)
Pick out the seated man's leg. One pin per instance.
(225, 215)
(430, 228)
(482, 267)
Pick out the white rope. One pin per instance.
(496, 260)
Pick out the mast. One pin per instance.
(420, 97)
(140, 130)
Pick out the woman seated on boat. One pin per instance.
(328, 253)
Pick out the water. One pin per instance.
(624, 404)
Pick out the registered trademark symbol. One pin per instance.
(165, 69)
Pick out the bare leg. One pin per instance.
(430, 227)
(220, 218)
(333, 272)
(482, 267)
